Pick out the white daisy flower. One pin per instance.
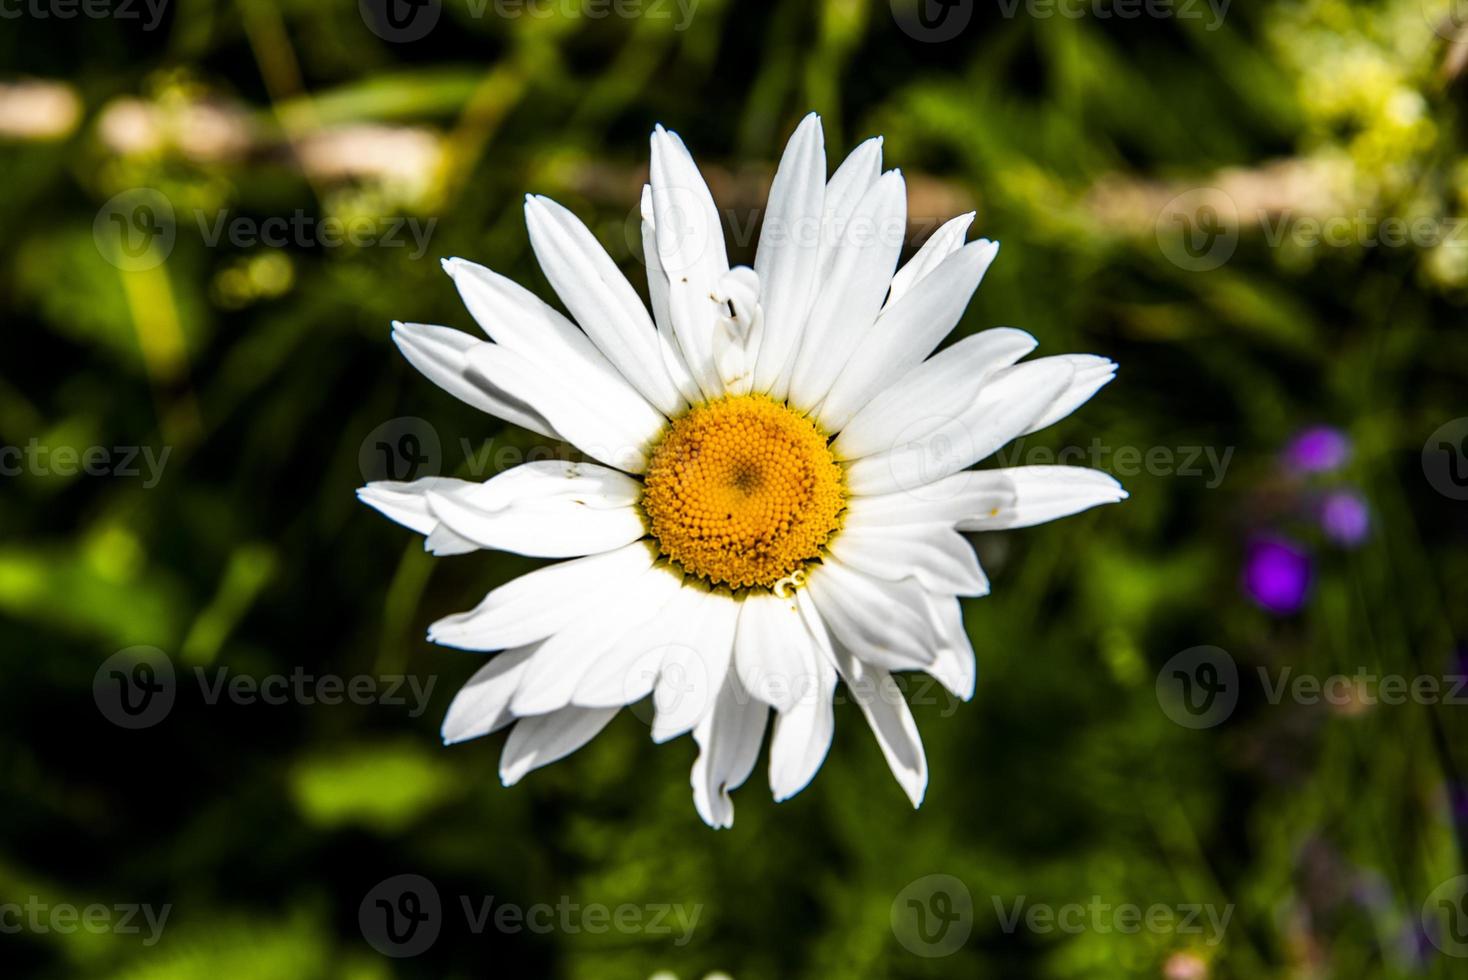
(781, 475)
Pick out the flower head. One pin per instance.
(1318, 449)
(777, 477)
(1277, 574)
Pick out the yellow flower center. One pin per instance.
(742, 491)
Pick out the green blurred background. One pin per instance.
(1152, 179)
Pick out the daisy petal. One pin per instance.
(549, 509)
(1091, 374)
(946, 501)
(600, 298)
(694, 669)
(442, 354)
(564, 659)
(802, 733)
(774, 654)
(691, 248)
(628, 670)
(881, 622)
(739, 332)
(890, 718)
(539, 603)
(955, 666)
(515, 317)
(789, 252)
(1042, 493)
(935, 554)
(906, 332)
(940, 244)
(1007, 405)
(543, 739)
(844, 191)
(482, 704)
(598, 430)
(852, 290)
(657, 288)
(934, 391)
(728, 740)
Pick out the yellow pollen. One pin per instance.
(742, 492)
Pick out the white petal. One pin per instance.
(696, 664)
(739, 332)
(728, 740)
(543, 739)
(851, 293)
(628, 670)
(788, 256)
(891, 721)
(407, 502)
(907, 331)
(691, 247)
(657, 288)
(549, 509)
(600, 431)
(954, 498)
(517, 318)
(802, 733)
(775, 655)
(539, 603)
(1091, 374)
(442, 354)
(940, 244)
(931, 393)
(600, 298)
(563, 660)
(1043, 493)
(844, 191)
(482, 704)
(935, 554)
(955, 666)
(881, 622)
(1007, 404)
